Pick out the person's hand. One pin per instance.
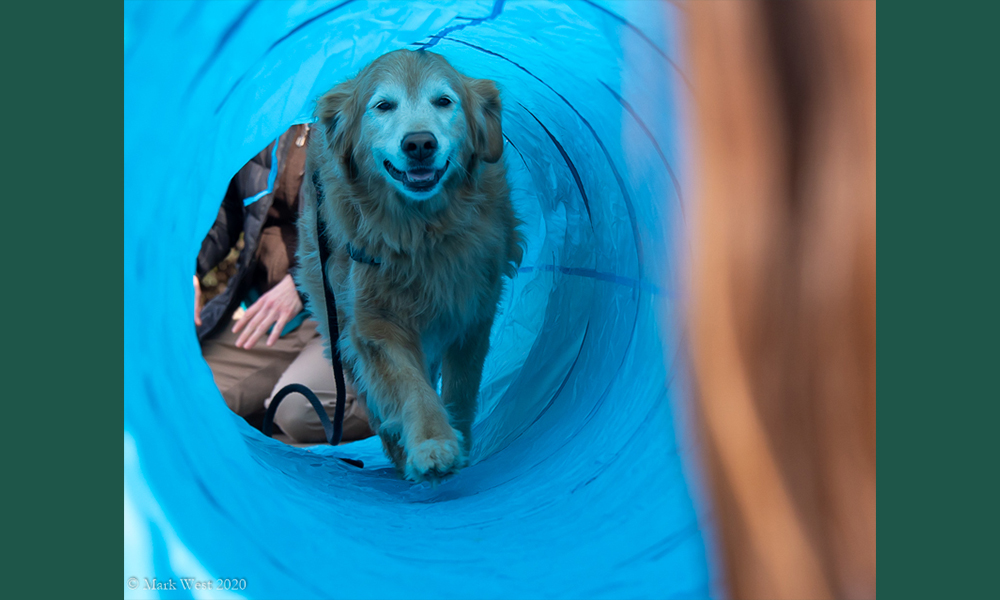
(276, 307)
(197, 301)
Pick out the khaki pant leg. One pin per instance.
(246, 377)
(296, 416)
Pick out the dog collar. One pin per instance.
(359, 255)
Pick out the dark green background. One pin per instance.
(62, 182)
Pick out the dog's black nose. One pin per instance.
(419, 145)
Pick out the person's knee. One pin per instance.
(298, 419)
(237, 401)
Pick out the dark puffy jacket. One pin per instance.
(267, 225)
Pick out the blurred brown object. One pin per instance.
(782, 303)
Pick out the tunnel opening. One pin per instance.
(577, 485)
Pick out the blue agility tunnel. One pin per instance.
(579, 485)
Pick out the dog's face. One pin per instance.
(415, 132)
(410, 121)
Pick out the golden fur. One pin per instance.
(428, 307)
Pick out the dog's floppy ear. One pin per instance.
(333, 111)
(487, 132)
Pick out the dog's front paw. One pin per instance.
(435, 459)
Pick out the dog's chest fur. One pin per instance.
(440, 271)
(443, 281)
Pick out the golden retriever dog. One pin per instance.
(405, 168)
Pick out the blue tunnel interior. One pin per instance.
(581, 483)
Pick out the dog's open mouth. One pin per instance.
(420, 179)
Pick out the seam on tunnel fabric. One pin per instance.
(437, 37)
(569, 163)
(644, 37)
(221, 43)
(641, 284)
(294, 30)
(656, 144)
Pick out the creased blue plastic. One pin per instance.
(578, 487)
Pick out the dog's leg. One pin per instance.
(395, 452)
(462, 373)
(408, 408)
(390, 441)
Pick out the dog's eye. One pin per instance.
(385, 106)
(442, 101)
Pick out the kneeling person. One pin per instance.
(248, 374)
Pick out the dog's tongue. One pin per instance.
(420, 174)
